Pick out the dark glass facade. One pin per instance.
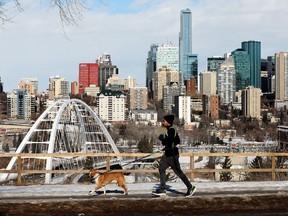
(254, 50)
(242, 68)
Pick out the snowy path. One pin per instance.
(203, 188)
(211, 198)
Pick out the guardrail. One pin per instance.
(191, 171)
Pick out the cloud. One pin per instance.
(35, 45)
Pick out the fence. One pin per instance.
(191, 172)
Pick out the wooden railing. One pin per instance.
(190, 172)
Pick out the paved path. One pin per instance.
(203, 188)
(217, 198)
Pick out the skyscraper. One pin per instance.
(151, 65)
(167, 56)
(88, 75)
(226, 81)
(185, 43)
(281, 76)
(254, 50)
(251, 102)
(271, 71)
(242, 68)
(214, 63)
(106, 69)
(208, 82)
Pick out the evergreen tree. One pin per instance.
(14, 141)
(88, 163)
(257, 163)
(122, 130)
(144, 145)
(5, 147)
(19, 140)
(226, 176)
(211, 163)
(212, 160)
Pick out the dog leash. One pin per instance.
(139, 159)
(142, 158)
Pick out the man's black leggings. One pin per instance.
(172, 162)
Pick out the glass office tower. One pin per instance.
(185, 43)
(254, 50)
(242, 68)
(151, 65)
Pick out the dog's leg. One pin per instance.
(121, 183)
(92, 192)
(124, 188)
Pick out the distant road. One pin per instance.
(14, 125)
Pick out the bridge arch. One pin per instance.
(66, 126)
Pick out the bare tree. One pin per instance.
(70, 11)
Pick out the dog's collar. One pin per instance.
(97, 175)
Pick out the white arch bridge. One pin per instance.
(66, 126)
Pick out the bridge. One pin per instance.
(67, 126)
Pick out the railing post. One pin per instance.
(192, 166)
(108, 162)
(19, 168)
(273, 167)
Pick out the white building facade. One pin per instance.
(226, 81)
(111, 106)
(167, 55)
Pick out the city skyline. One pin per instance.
(33, 45)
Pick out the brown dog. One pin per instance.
(101, 179)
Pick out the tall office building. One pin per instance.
(251, 102)
(167, 55)
(271, 71)
(242, 68)
(192, 60)
(281, 76)
(185, 43)
(88, 75)
(105, 69)
(264, 76)
(151, 65)
(254, 50)
(226, 81)
(214, 63)
(169, 94)
(164, 76)
(191, 86)
(208, 82)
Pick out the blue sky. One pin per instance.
(34, 45)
